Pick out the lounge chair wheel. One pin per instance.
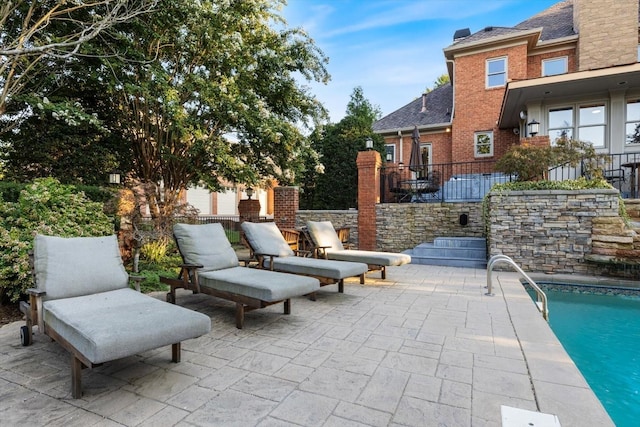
(170, 298)
(25, 337)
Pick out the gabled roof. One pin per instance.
(439, 103)
(556, 22)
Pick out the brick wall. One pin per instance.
(368, 163)
(286, 204)
(608, 31)
(478, 108)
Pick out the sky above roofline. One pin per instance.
(393, 49)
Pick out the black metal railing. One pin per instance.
(470, 181)
(230, 223)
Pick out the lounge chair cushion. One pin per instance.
(318, 267)
(101, 325)
(324, 235)
(96, 266)
(264, 285)
(206, 245)
(370, 257)
(266, 239)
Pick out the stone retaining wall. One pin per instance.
(403, 226)
(559, 231)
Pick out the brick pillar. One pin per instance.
(249, 210)
(369, 163)
(285, 206)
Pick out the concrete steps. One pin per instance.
(452, 252)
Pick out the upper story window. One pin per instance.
(496, 72)
(632, 130)
(483, 144)
(588, 125)
(390, 150)
(555, 66)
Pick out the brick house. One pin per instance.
(572, 68)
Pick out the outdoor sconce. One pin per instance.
(368, 144)
(400, 165)
(114, 178)
(249, 192)
(534, 127)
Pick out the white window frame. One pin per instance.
(549, 61)
(504, 72)
(393, 152)
(628, 121)
(576, 125)
(476, 136)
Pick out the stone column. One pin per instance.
(369, 163)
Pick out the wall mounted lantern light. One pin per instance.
(534, 127)
(114, 178)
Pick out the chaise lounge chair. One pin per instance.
(329, 246)
(274, 253)
(83, 301)
(211, 266)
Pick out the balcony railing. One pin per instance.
(470, 181)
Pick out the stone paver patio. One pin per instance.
(426, 347)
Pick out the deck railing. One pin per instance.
(470, 181)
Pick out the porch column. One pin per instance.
(369, 163)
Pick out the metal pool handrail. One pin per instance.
(541, 296)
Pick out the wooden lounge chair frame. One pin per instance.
(188, 279)
(34, 315)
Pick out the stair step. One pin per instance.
(451, 251)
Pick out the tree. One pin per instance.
(201, 72)
(338, 145)
(34, 32)
(201, 91)
(440, 81)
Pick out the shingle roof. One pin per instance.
(439, 103)
(556, 21)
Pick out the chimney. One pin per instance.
(424, 103)
(607, 31)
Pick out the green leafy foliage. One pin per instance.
(335, 186)
(44, 207)
(532, 162)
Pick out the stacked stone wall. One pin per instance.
(403, 226)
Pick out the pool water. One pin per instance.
(601, 333)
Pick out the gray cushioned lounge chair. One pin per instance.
(329, 246)
(83, 301)
(273, 252)
(211, 266)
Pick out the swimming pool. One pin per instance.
(601, 333)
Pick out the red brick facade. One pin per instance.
(369, 163)
(286, 204)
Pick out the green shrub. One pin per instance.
(43, 207)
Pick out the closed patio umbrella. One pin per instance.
(415, 161)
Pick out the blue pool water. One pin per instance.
(601, 333)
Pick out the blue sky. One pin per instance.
(393, 48)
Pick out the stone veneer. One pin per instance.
(557, 231)
(403, 226)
